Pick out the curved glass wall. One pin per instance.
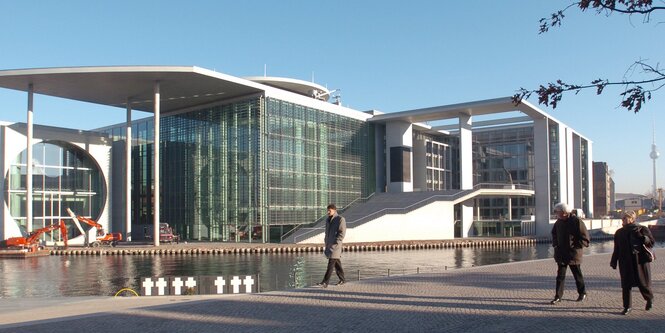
(64, 176)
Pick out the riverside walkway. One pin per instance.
(511, 297)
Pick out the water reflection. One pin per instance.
(105, 275)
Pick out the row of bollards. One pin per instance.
(267, 249)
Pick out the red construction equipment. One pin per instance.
(31, 241)
(166, 234)
(103, 238)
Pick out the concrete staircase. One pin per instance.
(379, 205)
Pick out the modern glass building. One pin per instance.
(257, 159)
(249, 170)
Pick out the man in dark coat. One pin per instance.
(334, 235)
(629, 242)
(569, 237)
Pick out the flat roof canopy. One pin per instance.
(477, 108)
(180, 86)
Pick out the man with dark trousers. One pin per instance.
(334, 235)
(569, 237)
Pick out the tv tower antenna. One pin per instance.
(654, 156)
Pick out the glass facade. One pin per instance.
(504, 156)
(212, 169)
(438, 162)
(250, 170)
(315, 158)
(64, 176)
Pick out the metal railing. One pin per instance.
(503, 186)
(322, 218)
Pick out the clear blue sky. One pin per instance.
(384, 55)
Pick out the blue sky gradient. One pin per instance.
(383, 55)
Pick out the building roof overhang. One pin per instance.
(476, 108)
(180, 86)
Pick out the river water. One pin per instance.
(105, 275)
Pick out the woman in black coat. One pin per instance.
(635, 271)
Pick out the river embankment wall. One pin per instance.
(212, 248)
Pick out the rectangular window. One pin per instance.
(400, 164)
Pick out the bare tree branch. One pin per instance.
(641, 7)
(634, 94)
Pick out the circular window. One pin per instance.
(64, 176)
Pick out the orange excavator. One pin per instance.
(103, 238)
(31, 241)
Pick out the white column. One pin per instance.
(542, 176)
(155, 164)
(567, 176)
(466, 152)
(466, 212)
(466, 171)
(399, 134)
(575, 174)
(28, 162)
(589, 179)
(128, 174)
(477, 204)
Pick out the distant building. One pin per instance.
(603, 189)
(630, 201)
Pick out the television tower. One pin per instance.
(654, 155)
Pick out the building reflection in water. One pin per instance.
(54, 276)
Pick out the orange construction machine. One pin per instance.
(103, 238)
(31, 241)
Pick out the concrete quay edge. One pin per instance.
(218, 248)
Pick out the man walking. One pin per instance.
(335, 230)
(569, 237)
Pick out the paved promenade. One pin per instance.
(510, 297)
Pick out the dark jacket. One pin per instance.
(335, 231)
(627, 243)
(569, 237)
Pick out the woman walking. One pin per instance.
(630, 244)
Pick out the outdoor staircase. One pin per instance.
(379, 205)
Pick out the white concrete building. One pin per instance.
(258, 160)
